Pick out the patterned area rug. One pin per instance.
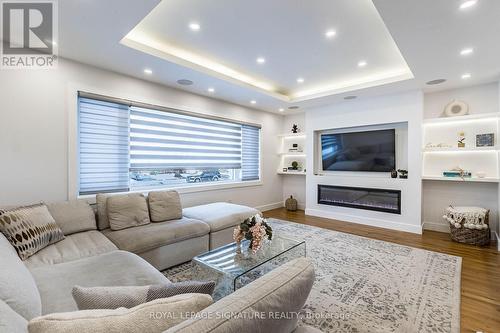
(367, 285)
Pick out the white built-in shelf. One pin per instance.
(292, 135)
(467, 149)
(444, 120)
(295, 173)
(299, 154)
(465, 180)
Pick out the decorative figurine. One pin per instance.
(295, 129)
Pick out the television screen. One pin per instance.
(359, 151)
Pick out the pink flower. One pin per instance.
(238, 234)
(258, 233)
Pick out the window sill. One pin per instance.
(91, 198)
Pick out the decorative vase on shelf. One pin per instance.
(394, 174)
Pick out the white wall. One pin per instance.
(34, 107)
(402, 108)
(295, 184)
(438, 195)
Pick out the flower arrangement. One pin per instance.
(256, 230)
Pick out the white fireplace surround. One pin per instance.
(404, 112)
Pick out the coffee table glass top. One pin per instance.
(233, 266)
(227, 261)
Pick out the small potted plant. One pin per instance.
(403, 174)
(254, 230)
(295, 165)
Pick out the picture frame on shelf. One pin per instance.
(485, 140)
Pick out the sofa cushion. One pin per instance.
(102, 211)
(127, 210)
(117, 268)
(73, 247)
(164, 206)
(130, 296)
(152, 317)
(220, 215)
(17, 286)
(29, 229)
(11, 321)
(154, 235)
(282, 291)
(73, 216)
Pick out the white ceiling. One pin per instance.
(428, 34)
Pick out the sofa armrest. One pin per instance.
(152, 317)
(269, 304)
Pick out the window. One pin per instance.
(128, 146)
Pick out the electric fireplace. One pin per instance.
(382, 200)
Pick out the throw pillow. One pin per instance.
(128, 297)
(153, 317)
(164, 206)
(127, 210)
(73, 216)
(29, 229)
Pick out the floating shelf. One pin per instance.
(295, 173)
(292, 154)
(465, 180)
(292, 135)
(493, 115)
(467, 149)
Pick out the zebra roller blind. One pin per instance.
(104, 146)
(250, 153)
(167, 140)
(124, 145)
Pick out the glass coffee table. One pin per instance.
(232, 270)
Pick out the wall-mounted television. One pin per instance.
(372, 151)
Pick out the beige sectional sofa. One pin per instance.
(92, 256)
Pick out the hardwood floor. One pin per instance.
(480, 301)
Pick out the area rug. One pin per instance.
(367, 285)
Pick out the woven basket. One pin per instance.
(472, 236)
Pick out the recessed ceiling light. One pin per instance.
(253, 102)
(184, 82)
(281, 110)
(350, 97)
(437, 81)
(362, 63)
(468, 4)
(148, 71)
(293, 107)
(467, 51)
(194, 26)
(261, 60)
(211, 90)
(466, 76)
(330, 34)
(300, 80)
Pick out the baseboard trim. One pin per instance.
(416, 229)
(440, 227)
(270, 206)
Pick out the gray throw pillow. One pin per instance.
(164, 206)
(130, 296)
(127, 210)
